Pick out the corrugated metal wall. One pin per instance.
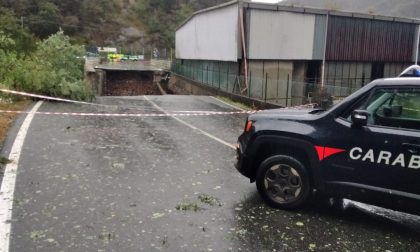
(319, 37)
(285, 50)
(355, 39)
(353, 75)
(394, 69)
(347, 75)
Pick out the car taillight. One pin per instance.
(248, 126)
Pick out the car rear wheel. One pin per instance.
(283, 182)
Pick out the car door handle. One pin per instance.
(412, 148)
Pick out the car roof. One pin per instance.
(405, 81)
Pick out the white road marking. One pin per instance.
(191, 126)
(9, 180)
(228, 104)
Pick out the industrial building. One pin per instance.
(285, 54)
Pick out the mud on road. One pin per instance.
(6, 120)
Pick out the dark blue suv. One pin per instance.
(366, 148)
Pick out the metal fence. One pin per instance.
(284, 92)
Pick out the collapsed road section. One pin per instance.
(126, 79)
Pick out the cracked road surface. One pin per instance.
(157, 184)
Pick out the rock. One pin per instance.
(132, 32)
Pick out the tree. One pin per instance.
(8, 57)
(162, 17)
(46, 19)
(24, 42)
(64, 64)
(55, 68)
(62, 55)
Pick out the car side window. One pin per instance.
(393, 107)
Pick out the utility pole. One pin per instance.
(325, 52)
(417, 45)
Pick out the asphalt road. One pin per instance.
(159, 184)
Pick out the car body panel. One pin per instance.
(372, 164)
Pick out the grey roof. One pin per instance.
(281, 7)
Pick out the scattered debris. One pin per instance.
(209, 200)
(188, 207)
(300, 224)
(312, 247)
(4, 160)
(157, 215)
(37, 235)
(106, 237)
(204, 199)
(50, 240)
(165, 240)
(117, 165)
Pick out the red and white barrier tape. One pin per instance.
(169, 113)
(48, 97)
(127, 115)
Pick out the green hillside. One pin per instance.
(134, 23)
(42, 41)
(140, 23)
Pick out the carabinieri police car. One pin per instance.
(366, 148)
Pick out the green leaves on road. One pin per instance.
(204, 199)
(4, 161)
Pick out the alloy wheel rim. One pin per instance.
(283, 183)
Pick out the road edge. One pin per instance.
(227, 104)
(9, 180)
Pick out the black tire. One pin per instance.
(283, 182)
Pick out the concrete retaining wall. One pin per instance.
(184, 86)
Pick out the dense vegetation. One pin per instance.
(76, 17)
(162, 17)
(52, 66)
(99, 22)
(41, 41)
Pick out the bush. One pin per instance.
(55, 68)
